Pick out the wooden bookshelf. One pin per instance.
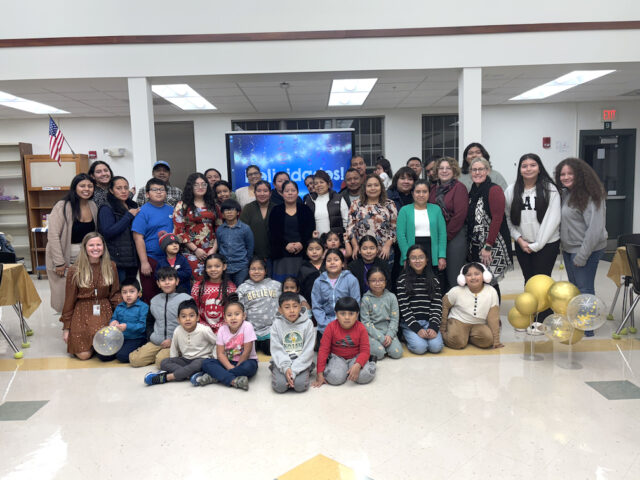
(47, 182)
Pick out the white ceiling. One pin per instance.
(309, 92)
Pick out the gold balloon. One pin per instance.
(576, 336)
(560, 294)
(526, 303)
(518, 320)
(539, 285)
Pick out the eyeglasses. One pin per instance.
(200, 185)
(478, 170)
(253, 174)
(157, 190)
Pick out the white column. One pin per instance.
(469, 107)
(143, 135)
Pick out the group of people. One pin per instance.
(347, 273)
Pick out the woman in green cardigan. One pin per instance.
(422, 223)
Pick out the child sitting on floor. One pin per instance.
(259, 295)
(236, 351)
(344, 348)
(292, 339)
(292, 284)
(380, 314)
(164, 313)
(192, 343)
(130, 317)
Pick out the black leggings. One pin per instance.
(264, 346)
(540, 262)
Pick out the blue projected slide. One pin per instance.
(299, 153)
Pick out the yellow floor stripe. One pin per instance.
(320, 468)
(511, 348)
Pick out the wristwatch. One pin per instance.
(487, 247)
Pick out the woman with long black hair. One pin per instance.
(533, 215)
(473, 151)
(194, 222)
(69, 221)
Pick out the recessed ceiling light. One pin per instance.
(12, 101)
(560, 84)
(347, 92)
(183, 96)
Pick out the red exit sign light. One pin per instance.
(609, 115)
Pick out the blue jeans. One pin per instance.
(239, 277)
(419, 345)
(213, 367)
(583, 277)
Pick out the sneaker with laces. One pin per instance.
(201, 379)
(589, 333)
(241, 383)
(155, 378)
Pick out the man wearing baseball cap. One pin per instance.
(162, 171)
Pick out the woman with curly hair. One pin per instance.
(583, 234)
(194, 222)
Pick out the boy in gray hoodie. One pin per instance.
(164, 312)
(292, 339)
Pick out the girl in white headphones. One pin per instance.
(471, 311)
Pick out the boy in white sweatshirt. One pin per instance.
(292, 339)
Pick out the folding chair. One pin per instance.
(633, 253)
(623, 240)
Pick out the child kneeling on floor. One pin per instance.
(344, 348)
(292, 339)
(163, 312)
(236, 351)
(471, 312)
(191, 344)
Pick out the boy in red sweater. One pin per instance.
(344, 348)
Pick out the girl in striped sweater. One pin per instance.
(420, 302)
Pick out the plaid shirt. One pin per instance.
(174, 195)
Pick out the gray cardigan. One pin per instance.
(585, 232)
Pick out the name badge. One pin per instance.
(96, 310)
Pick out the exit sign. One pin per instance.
(609, 115)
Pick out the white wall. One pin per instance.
(508, 132)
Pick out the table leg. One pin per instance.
(18, 309)
(17, 353)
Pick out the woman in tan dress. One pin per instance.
(91, 294)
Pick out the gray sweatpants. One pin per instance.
(182, 368)
(279, 381)
(337, 370)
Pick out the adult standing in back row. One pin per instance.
(161, 171)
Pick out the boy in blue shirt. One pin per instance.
(235, 242)
(130, 317)
(153, 217)
(173, 258)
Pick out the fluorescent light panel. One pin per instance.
(183, 96)
(560, 84)
(350, 92)
(12, 101)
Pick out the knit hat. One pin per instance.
(166, 239)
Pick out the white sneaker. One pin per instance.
(535, 329)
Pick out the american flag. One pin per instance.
(56, 139)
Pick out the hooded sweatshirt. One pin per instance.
(260, 302)
(164, 309)
(325, 295)
(292, 343)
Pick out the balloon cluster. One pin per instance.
(573, 313)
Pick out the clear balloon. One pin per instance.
(108, 340)
(557, 328)
(587, 312)
(576, 336)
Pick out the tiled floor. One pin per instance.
(470, 414)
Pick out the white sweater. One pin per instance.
(536, 234)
